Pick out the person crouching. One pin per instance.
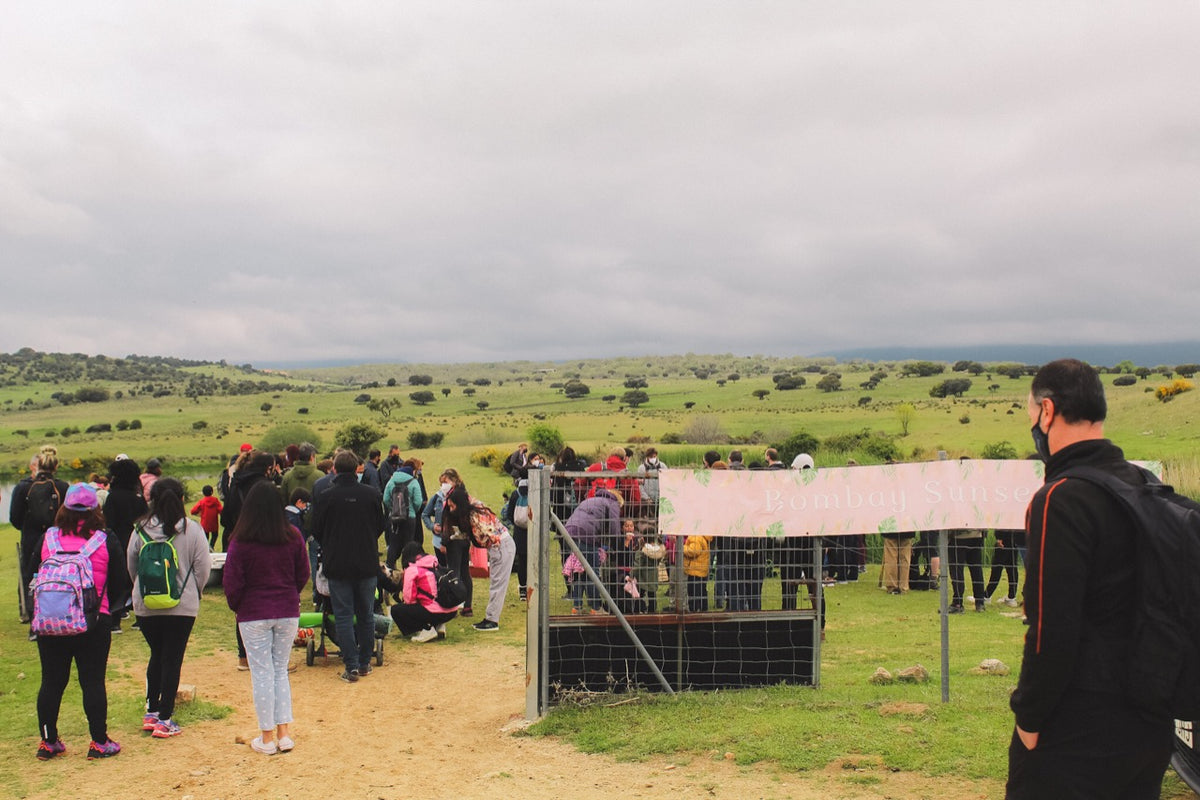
(418, 614)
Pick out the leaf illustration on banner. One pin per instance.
(665, 507)
(1039, 469)
(703, 477)
(807, 476)
(889, 525)
(775, 530)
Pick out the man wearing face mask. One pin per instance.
(1077, 733)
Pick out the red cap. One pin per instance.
(246, 447)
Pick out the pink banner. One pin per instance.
(924, 496)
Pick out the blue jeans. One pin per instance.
(354, 619)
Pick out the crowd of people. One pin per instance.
(613, 523)
(287, 521)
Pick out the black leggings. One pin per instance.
(167, 636)
(458, 556)
(89, 651)
(966, 552)
(1004, 561)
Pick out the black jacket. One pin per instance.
(1079, 587)
(347, 522)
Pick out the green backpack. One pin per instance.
(158, 572)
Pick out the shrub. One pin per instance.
(302, 410)
(704, 429)
(99, 427)
(670, 438)
(416, 380)
(363, 398)
(135, 424)
(1125, 380)
(425, 440)
(489, 457)
(1168, 391)
(356, 436)
(199, 425)
(277, 438)
(91, 394)
(999, 450)
(545, 439)
(794, 445)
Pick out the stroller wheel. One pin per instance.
(379, 652)
(310, 652)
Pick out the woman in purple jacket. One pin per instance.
(265, 571)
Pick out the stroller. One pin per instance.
(319, 626)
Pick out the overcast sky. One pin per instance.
(297, 182)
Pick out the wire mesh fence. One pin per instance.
(616, 606)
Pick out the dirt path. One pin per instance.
(400, 734)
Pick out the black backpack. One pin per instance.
(41, 503)
(1164, 676)
(451, 591)
(400, 501)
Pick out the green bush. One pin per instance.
(425, 440)
(545, 439)
(279, 437)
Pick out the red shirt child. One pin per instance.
(209, 509)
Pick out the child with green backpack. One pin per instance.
(169, 560)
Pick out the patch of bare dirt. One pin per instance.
(436, 721)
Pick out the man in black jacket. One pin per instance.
(1077, 733)
(347, 522)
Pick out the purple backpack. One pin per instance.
(65, 601)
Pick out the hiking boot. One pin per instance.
(150, 721)
(955, 608)
(365, 670)
(980, 605)
(165, 729)
(106, 750)
(48, 750)
(350, 676)
(486, 625)
(426, 635)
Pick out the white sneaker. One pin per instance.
(441, 631)
(425, 635)
(1011, 602)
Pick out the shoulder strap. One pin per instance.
(97, 540)
(52, 541)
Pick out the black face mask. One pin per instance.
(1041, 440)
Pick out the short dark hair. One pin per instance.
(300, 494)
(207, 490)
(711, 457)
(344, 462)
(306, 451)
(1075, 388)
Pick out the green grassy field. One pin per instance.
(519, 396)
(799, 729)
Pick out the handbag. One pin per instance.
(479, 562)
